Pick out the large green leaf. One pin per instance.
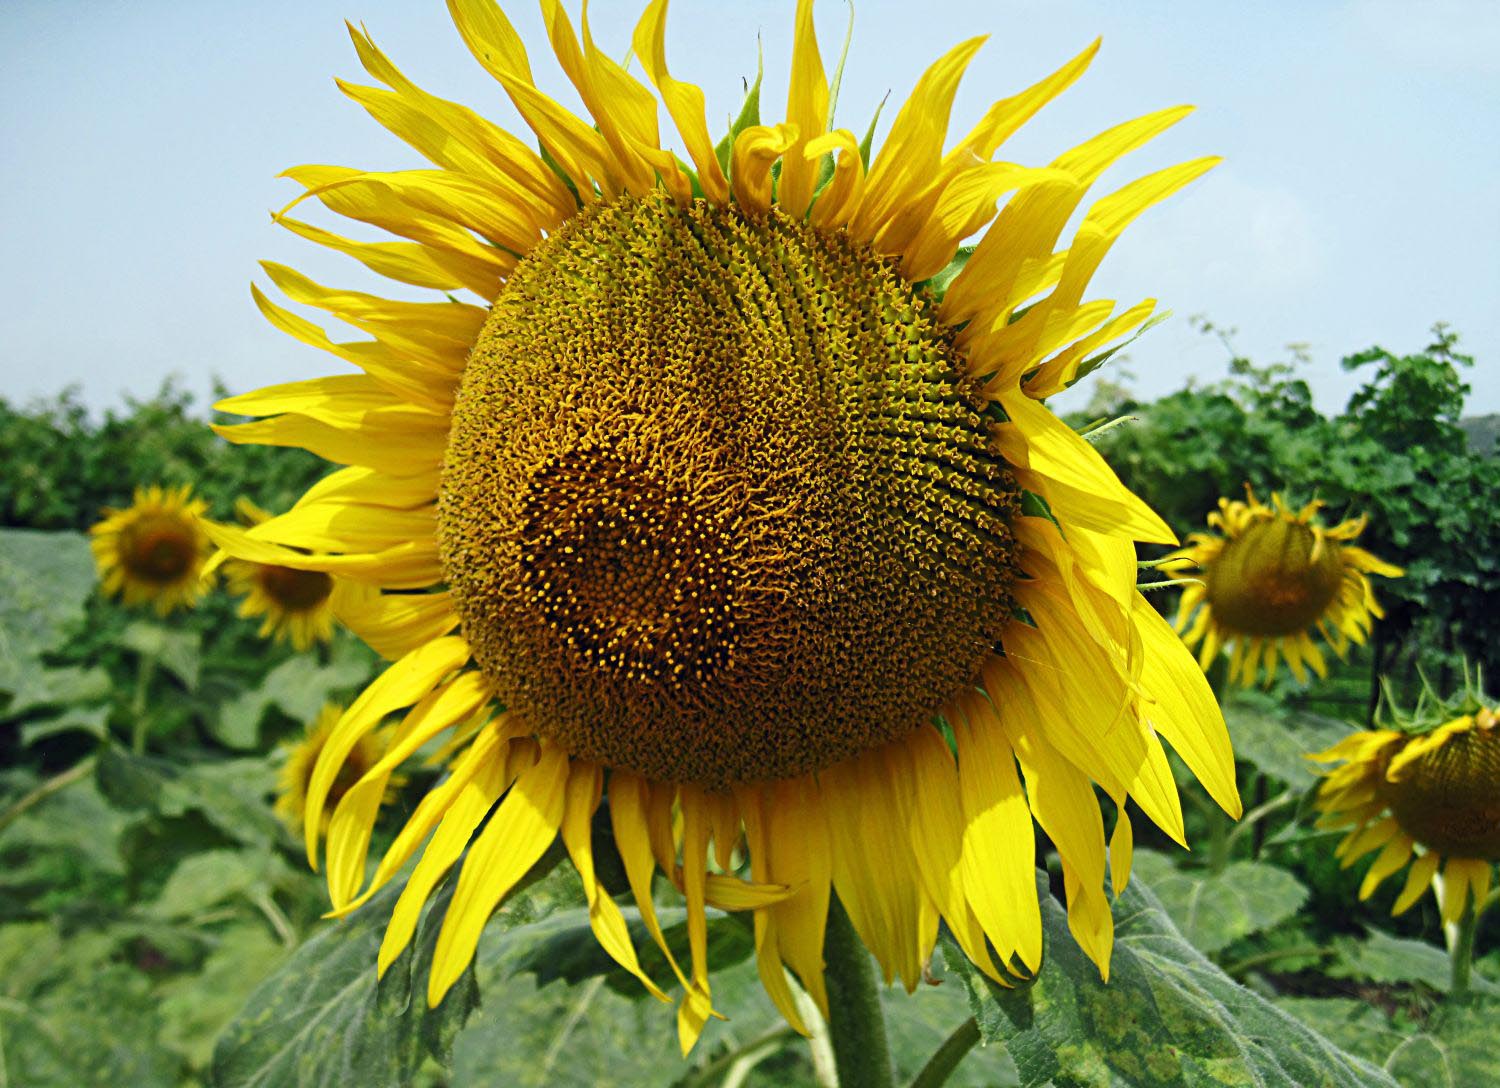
(1167, 1016)
(230, 793)
(1213, 910)
(178, 652)
(1380, 957)
(44, 580)
(70, 1018)
(1277, 741)
(572, 1028)
(323, 1020)
(563, 946)
(298, 687)
(1455, 1048)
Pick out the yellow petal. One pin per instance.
(393, 624)
(913, 149)
(628, 795)
(485, 755)
(516, 836)
(406, 566)
(1395, 854)
(1418, 879)
(577, 148)
(354, 818)
(466, 809)
(885, 899)
(999, 844)
(1121, 852)
(694, 873)
(840, 198)
(401, 685)
(807, 109)
(1087, 490)
(583, 793)
(755, 150)
(937, 832)
(684, 101)
(1178, 703)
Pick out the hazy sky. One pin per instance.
(140, 143)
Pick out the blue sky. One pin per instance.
(140, 143)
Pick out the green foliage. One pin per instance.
(60, 467)
(1215, 909)
(1455, 1050)
(1168, 1016)
(145, 886)
(149, 898)
(1397, 452)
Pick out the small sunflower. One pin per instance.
(155, 550)
(297, 605)
(301, 756)
(1433, 796)
(736, 483)
(1271, 580)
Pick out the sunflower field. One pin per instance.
(689, 649)
(161, 927)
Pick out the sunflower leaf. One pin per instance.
(1213, 910)
(563, 946)
(1278, 741)
(1167, 1016)
(45, 578)
(323, 1019)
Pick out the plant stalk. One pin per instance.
(59, 781)
(856, 1023)
(946, 1058)
(145, 672)
(1461, 955)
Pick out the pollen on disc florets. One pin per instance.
(717, 504)
(1448, 799)
(1276, 578)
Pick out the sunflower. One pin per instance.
(301, 756)
(153, 550)
(735, 491)
(1269, 581)
(297, 605)
(1433, 796)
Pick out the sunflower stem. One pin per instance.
(946, 1058)
(1461, 955)
(856, 1023)
(145, 671)
(57, 782)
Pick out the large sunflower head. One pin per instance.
(734, 488)
(295, 605)
(1429, 792)
(154, 551)
(1270, 578)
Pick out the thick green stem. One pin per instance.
(1461, 955)
(942, 1063)
(856, 1023)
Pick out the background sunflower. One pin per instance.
(154, 551)
(1268, 580)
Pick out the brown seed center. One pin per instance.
(718, 503)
